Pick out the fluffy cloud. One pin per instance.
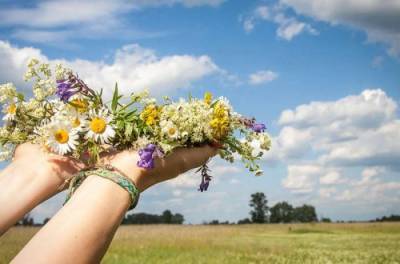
(262, 77)
(301, 178)
(355, 130)
(342, 150)
(332, 177)
(378, 19)
(134, 68)
(288, 27)
(68, 12)
(14, 60)
(57, 21)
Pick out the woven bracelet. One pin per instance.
(109, 173)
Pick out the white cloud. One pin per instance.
(262, 77)
(61, 13)
(68, 12)
(187, 3)
(332, 177)
(54, 22)
(301, 178)
(350, 145)
(288, 27)
(134, 68)
(14, 60)
(326, 192)
(378, 19)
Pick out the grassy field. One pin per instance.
(290, 243)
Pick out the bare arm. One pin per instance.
(83, 229)
(31, 178)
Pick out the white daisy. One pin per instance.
(76, 119)
(98, 126)
(10, 111)
(62, 138)
(169, 129)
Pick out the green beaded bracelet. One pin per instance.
(109, 173)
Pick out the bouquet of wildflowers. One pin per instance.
(67, 117)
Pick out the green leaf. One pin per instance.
(128, 130)
(21, 97)
(115, 98)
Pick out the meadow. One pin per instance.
(270, 243)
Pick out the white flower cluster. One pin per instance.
(43, 85)
(186, 121)
(7, 92)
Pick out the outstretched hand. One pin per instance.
(60, 168)
(174, 164)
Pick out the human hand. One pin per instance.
(174, 164)
(54, 168)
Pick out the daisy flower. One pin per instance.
(78, 121)
(10, 111)
(169, 129)
(62, 138)
(98, 126)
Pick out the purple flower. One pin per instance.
(205, 177)
(147, 156)
(70, 86)
(258, 127)
(65, 90)
(205, 182)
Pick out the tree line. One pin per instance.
(261, 212)
(143, 218)
(281, 212)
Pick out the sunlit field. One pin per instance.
(288, 243)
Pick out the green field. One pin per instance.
(289, 243)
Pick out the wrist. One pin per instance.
(126, 163)
(46, 175)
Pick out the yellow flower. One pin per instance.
(208, 97)
(150, 114)
(98, 125)
(61, 136)
(220, 121)
(76, 122)
(81, 105)
(12, 109)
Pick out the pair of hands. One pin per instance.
(62, 168)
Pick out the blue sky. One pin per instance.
(323, 77)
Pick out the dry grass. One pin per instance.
(291, 243)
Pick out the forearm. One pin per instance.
(21, 190)
(82, 230)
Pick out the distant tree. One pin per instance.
(305, 214)
(244, 221)
(259, 203)
(281, 212)
(213, 222)
(326, 220)
(166, 217)
(391, 218)
(143, 218)
(177, 219)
